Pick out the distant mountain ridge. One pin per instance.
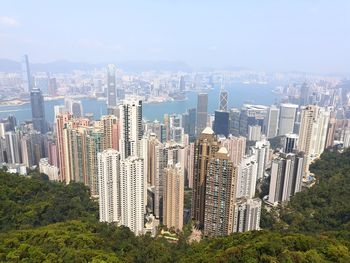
(64, 66)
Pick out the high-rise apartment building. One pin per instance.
(130, 128)
(236, 147)
(246, 215)
(109, 186)
(246, 177)
(313, 133)
(286, 177)
(132, 185)
(173, 196)
(261, 150)
(219, 194)
(204, 148)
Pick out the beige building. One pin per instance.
(173, 196)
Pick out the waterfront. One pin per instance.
(239, 94)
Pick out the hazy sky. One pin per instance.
(300, 35)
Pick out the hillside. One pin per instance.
(43, 221)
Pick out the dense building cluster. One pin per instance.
(139, 170)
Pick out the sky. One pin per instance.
(271, 35)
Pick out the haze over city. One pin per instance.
(310, 36)
(175, 131)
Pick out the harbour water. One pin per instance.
(239, 94)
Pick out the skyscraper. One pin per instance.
(27, 77)
(221, 123)
(131, 128)
(290, 142)
(236, 147)
(173, 196)
(204, 148)
(132, 185)
(246, 177)
(38, 111)
(286, 177)
(287, 118)
(219, 194)
(271, 122)
(261, 150)
(111, 86)
(312, 133)
(246, 215)
(202, 112)
(107, 123)
(223, 100)
(109, 186)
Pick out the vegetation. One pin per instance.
(42, 221)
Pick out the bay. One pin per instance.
(238, 94)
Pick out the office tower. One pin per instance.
(158, 129)
(173, 196)
(13, 148)
(204, 148)
(107, 127)
(236, 147)
(27, 77)
(38, 111)
(261, 150)
(50, 170)
(271, 122)
(290, 142)
(130, 128)
(221, 123)
(132, 199)
(223, 100)
(286, 177)
(287, 118)
(246, 177)
(254, 132)
(189, 123)
(247, 213)
(111, 86)
(182, 84)
(234, 121)
(202, 112)
(109, 185)
(52, 87)
(77, 109)
(219, 194)
(192, 124)
(61, 120)
(313, 133)
(94, 145)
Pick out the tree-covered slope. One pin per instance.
(30, 202)
(326, 205)
(42, 221)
